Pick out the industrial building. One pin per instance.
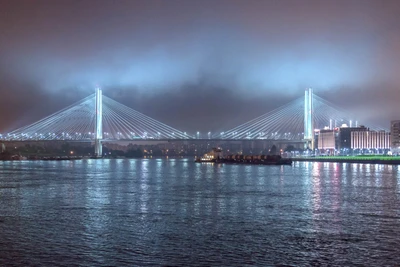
(327, 139)
(370, 140)
(346, 140)
(395, 136)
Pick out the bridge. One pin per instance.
(98, 118)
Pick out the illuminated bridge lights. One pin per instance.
(119, 122)
(76, 122)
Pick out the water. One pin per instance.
(174, 212)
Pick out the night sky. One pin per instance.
(198, 64)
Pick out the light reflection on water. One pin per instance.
(176, 212)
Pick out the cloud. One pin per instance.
(209, 59)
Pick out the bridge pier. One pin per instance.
(309, 119)
(98, 147)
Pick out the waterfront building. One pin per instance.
(353, 139)
(327, 139)
(345, 133)
(395, 136)
(370, 140)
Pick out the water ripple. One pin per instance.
(177, 213)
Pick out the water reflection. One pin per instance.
(149, 212)
(316, 193)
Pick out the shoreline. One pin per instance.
(388, 161)
(351, 160)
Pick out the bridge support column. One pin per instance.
(98, 148)
(308, 119)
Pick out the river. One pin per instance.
(174, 212)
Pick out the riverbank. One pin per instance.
(353, 159)
(18, 158)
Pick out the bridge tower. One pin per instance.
(98, 148)
(308, 119)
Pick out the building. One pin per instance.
(344, 140)
(395, 136)
(327, 140)
(378, 140)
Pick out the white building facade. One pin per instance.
(395, 136)
(370, 140)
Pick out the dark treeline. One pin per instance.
(81, 150)
(130, 151)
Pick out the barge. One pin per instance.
(216, 156)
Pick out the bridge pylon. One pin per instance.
(98, 147)
(309, 119)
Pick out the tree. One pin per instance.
(290, 148)
(134, 153)
(273, 150)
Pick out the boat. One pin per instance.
(216, 156)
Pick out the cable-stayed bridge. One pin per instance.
(78, 122)
(98, 118)
(295, 120)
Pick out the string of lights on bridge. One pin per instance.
(287, 122)
(77, 123)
